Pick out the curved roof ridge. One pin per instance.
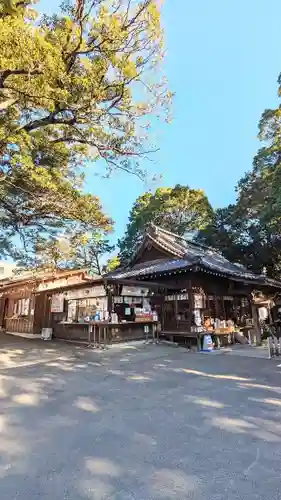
(181, 247)
(190, 243)
(179, 237)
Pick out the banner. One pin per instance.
(134, 291)
(198, 301)
(57, 303)
(84, 293)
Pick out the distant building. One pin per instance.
(6, 269)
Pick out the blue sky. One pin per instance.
(223, 61)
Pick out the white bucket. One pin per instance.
(46, 333)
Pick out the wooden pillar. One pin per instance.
(162, 317)
(109, 300)
(223, 309)
(208, 305)
(257, 329)
(235, 308)
(176, 310)
(48, 310)
(190, 301)
(3, 307)
(217, 306)
(269, 312)
(44, 308)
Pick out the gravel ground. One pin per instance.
(151, 422)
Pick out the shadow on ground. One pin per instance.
(146, 423)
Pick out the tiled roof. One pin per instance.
(38, 275)
(187, 254)
(152, 267)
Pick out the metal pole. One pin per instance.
(104, 337)
(250, 336)
(89, 334)
(157, 333)
(276, 346)
(218, 341)
(99, 336)
(269, 347)
(95, 337)
(176, 310)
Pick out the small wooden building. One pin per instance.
(68, 301)
(25, 300)
(200, 284)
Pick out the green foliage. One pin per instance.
(89, 252)
(249, 232)
(180, 209)
(68, 252)
(75, 87)
(112, 264)
(227, 233)
(219, 232)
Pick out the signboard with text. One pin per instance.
(59, 283)
(57, 304)
(134, 291)
(84, 293)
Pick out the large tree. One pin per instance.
(236, 236)
(179, 209)
(220, 233)
(250, 231)
(89, 251)
(75, 87)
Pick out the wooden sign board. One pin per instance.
(84, 293)
(59, 283)
(57, 304)
(134, 291)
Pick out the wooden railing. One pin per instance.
(19, 325)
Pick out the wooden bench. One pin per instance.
(171, 334)
(219, 334)
(223, 333)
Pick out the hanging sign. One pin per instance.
(197, 317)
(198, 301)
(118, 300)
(134, 291)
(179, 296)
(59, 283)
(170, 298)
(57, 303)
(83, 293)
